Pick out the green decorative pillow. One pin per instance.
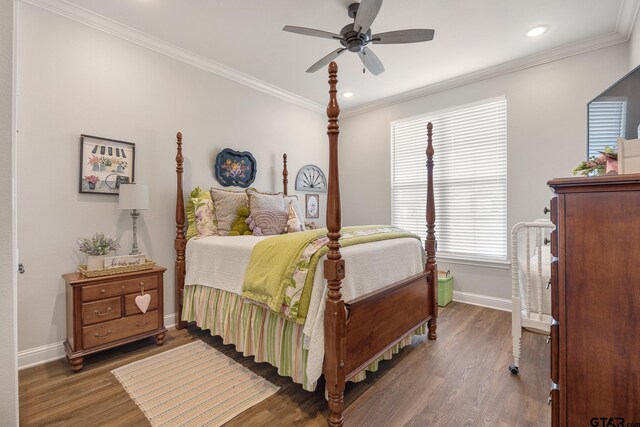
(197, 193)
(239, 226)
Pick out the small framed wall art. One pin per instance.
(312, 205)
(105, 164)
(235, 168)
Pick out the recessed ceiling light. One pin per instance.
(347, 94)
(537, 31)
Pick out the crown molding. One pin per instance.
(545, 57)
(102, 23)
(627, 16)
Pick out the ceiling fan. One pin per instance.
(355, 37)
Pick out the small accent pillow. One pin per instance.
(293, 222)
(240, 226)
(226, 205)
(265, 201)
(197, 193)
(293, 200)
(205, 219)
(267, 223)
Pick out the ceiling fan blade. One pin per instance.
(326, 60)
(403, 36)
(367, 12)
(311, 32)
(371, 61)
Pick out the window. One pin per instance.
(607, 121)
(469, 178)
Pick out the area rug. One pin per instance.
(192, 385)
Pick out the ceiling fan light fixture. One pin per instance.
(347, 94)
(537, 31)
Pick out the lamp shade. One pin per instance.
(133, 196)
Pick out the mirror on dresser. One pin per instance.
(614, 113)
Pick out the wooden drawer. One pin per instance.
(118, 287)
(555, 354)
(555, 305)
(553, 204)
(101, 311)
(554, 243)
(123, 327)
(130, 307)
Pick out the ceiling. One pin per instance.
(470, 36)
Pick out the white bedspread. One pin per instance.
(220, 262)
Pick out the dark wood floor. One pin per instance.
(459, 380)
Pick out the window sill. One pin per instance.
(503, 265)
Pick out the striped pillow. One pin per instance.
(268, 223)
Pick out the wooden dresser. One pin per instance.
(102, 313)
(595, 282)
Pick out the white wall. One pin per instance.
(8, 372)
(75, 79)
(547, 137)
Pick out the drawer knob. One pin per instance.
(103, 291)
(97, 335)
(102, 314)
(546, 241)
(549, 284)
(548, 339)
(546, 210)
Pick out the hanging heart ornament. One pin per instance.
(143, 301)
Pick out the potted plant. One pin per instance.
(97, 248)
(92, 180)
(605, 163)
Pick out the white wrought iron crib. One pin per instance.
(530, 275)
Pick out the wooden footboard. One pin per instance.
(380, 319)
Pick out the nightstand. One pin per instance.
(102, 313)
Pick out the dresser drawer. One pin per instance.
(123, 327)
(101, 311)
(555, 354)
(119, 287)
(554, 290)
(130, 307)
(553, 209)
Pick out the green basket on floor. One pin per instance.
(445, 288)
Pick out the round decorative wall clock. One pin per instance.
(310, 178)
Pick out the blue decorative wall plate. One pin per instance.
(235, 168)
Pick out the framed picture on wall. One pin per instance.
(105, 164)
(312, 206)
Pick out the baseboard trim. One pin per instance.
(50, 352)
(482, 300)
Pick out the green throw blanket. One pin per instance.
(282, 268)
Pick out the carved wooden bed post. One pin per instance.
(180, 242)
(285, 173)
(430, 243)
(334, 316)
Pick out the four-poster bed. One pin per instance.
(356, 332)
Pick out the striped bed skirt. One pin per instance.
(259, 332)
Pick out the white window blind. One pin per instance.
(469, 178)
(607, 122)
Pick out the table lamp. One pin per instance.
(134, 197)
